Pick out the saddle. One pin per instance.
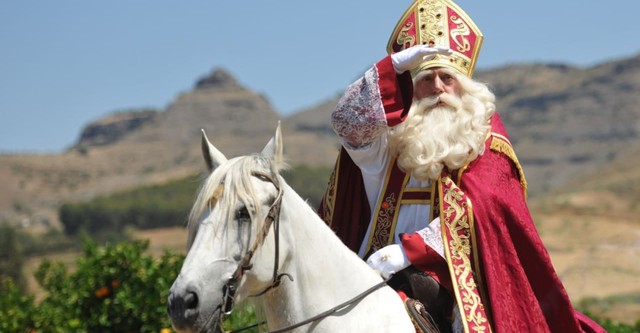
(429, 304)
(421, 319)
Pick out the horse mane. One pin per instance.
(235, 178)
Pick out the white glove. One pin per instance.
(412, 57)
(389, 260)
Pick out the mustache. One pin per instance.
(449, 100)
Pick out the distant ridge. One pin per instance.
(564, 121)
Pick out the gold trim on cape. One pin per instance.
(458, 237)
(502, 145)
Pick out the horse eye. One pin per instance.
(242, 215)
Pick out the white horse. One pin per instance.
(243, 207)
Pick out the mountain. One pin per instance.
(564, 121)
(128, 149)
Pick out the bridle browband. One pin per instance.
(273, 218)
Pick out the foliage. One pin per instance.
(15, 308)
(243, 316)
(116, 288)
(616, 327)
(143, 208)
(11, 259)
(612, 326)
(166, 204)
(51, 241)
(310, 182)
(592, 306)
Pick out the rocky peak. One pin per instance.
(218, 78)
(114, 127)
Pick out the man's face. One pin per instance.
(435, 81)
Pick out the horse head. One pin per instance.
(228, 247)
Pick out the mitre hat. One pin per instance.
(443, 23)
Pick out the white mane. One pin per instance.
(237, 188)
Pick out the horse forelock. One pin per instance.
(225, 187)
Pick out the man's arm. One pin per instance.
(379, 99)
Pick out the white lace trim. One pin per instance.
(432, 236)
(359, 117)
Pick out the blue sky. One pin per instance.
(65, 63)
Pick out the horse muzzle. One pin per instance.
(188, 312)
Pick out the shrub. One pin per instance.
(15, 308)
(116, 288)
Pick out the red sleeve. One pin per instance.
(396, 91)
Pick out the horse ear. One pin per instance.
(212, 156)
(273, 149)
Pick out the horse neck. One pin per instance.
(325, 272)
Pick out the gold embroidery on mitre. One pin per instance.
(463, 32)
(457, 231)
(432, 18)
(404, 38)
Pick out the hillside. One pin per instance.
(130, 149)
(565, 122)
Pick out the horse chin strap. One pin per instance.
(273, 217)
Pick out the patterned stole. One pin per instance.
(459, 239)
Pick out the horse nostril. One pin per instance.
(182, 308)
(191, 300)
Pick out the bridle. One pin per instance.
(273, 218)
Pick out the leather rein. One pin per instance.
(230, 288)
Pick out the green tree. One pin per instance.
(11, 259)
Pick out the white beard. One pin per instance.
(436, 135)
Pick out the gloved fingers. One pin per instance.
(442, 49)
(382, 265)
(429, 52)
(410, 58)
(389, 260)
